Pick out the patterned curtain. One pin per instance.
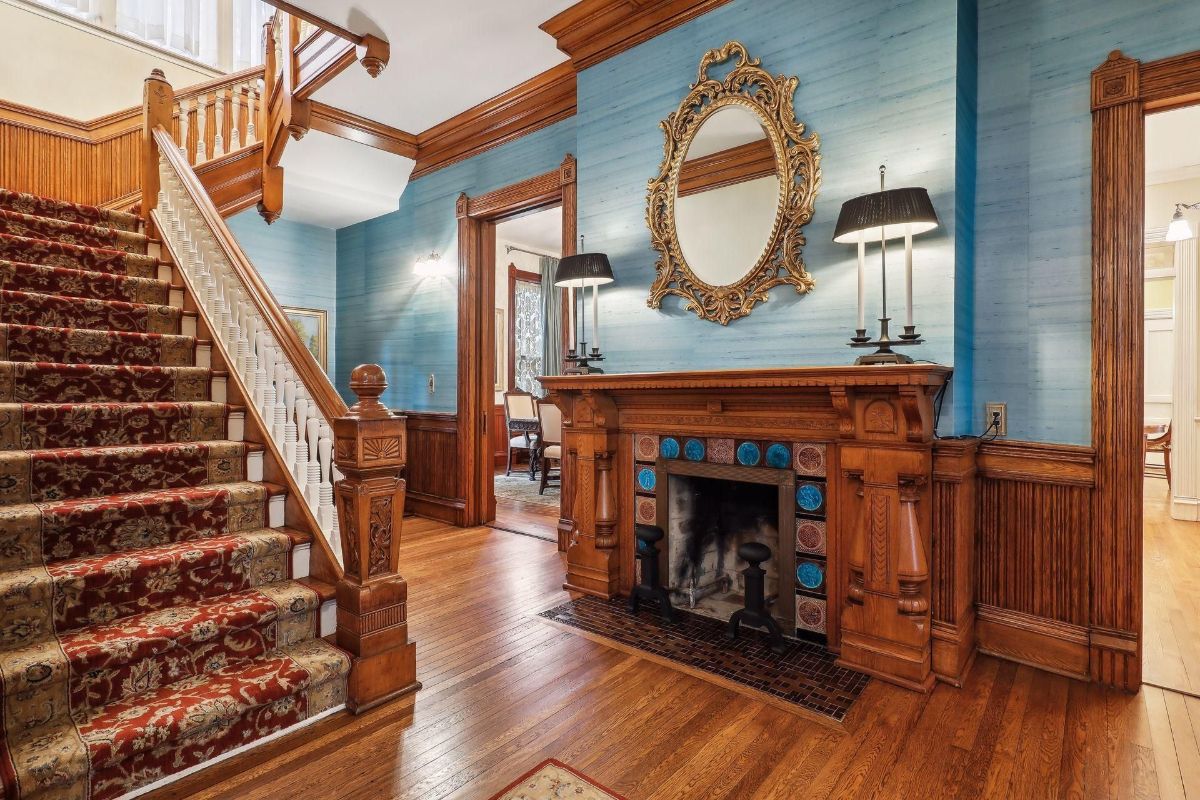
(528, 335)
(551, 319)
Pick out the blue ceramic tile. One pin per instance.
(810, 497)
(779, 456)
(810, 575)
(693, 450)
(669, 448)
(646, 479)
(748, 454)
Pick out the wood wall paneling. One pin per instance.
(434, 485)
(953, 556)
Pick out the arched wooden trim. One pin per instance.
(477, 218)
(1122, 91)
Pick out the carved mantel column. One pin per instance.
(372, 624)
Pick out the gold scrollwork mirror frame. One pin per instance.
(796, 156)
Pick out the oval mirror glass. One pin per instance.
(728, 195)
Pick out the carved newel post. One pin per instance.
(372, 621)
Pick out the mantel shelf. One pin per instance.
(930, 375)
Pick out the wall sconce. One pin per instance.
(881, 216)
(429, 266)
(1179, 229)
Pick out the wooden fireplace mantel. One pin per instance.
(875, 425)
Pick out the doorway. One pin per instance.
(1171, 494)
(482, 255)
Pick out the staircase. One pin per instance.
(152, 616)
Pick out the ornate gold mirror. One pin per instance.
(735, 188)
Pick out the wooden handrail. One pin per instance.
(302, 360)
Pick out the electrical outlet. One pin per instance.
(432, 383)
(994, 410)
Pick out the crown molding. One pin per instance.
(346, 125)
(725, 168)
(530, 106)
(594, 30)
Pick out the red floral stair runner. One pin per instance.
(149, 620)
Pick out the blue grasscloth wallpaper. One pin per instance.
(983, 102)
(1033, 218)
(409, 324)
(298, 262)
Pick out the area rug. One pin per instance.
(519, 488)
(553, 780)
(804, 675)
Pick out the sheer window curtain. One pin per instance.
(551, 319)
(186, 26)
(84, 9)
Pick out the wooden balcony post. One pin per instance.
(372, 621)
(158, 103)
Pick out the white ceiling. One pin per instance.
(446, 56)
(333, 182)
(1173, 145)
(540, 231)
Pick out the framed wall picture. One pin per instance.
(500, 368)
(312, 326)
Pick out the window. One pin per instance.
(525, 329)
(226, 34)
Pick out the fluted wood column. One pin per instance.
(1185, 431)
(370, 450)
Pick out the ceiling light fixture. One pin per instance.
(1179, 229)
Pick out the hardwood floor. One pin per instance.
(1171, 595)
(504, 690)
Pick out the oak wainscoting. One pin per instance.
(434, 484)
(1034, 528)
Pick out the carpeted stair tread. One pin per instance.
(34, 308)
(39, 476)
(98, 589)
(68, 212)
(67, 529)
(84, 345)
(72, 256)
(56, 230)
(25, 382)
(117, 731)
(41, 426)
(20, 276)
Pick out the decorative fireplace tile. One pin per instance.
(720, 451)
(779, 456)
(810, 536)
(645, 447)
(669, 447)
(645, 477)
(809, 458)
(693, 450)
(805, 674)
(810, 614)
(810, 497)
(810, 575)
(749, 454)
(645, 510)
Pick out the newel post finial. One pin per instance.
(370, 450)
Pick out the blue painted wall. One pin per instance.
(298, 263)
(1033, 218)
(409, 324)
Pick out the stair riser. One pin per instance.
(55, 254)
(68, 212)
(50, 475)
(34, 383)
(111, 782)
(65, 346)
(19, 308)
(53, 230)
(78, 283)
(77, 529)
(37, 427)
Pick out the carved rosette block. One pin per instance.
(370, 450)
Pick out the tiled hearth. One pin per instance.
(804, 675)
(806, 460)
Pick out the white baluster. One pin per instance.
(184, 119)
(219, 139)
(250, 132)
(289, 428)
(201, 129)
(280, 411)
(333, 533)
(312, 488)
(235, 132)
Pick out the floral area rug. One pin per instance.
(519, 488)
(554, 780)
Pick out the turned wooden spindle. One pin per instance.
(370, 450)
(912, 571)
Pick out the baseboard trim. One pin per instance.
(1185, 508)
(1048, 644)
(443, 509)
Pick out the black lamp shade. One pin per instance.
(896, 211)
(584, 269)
